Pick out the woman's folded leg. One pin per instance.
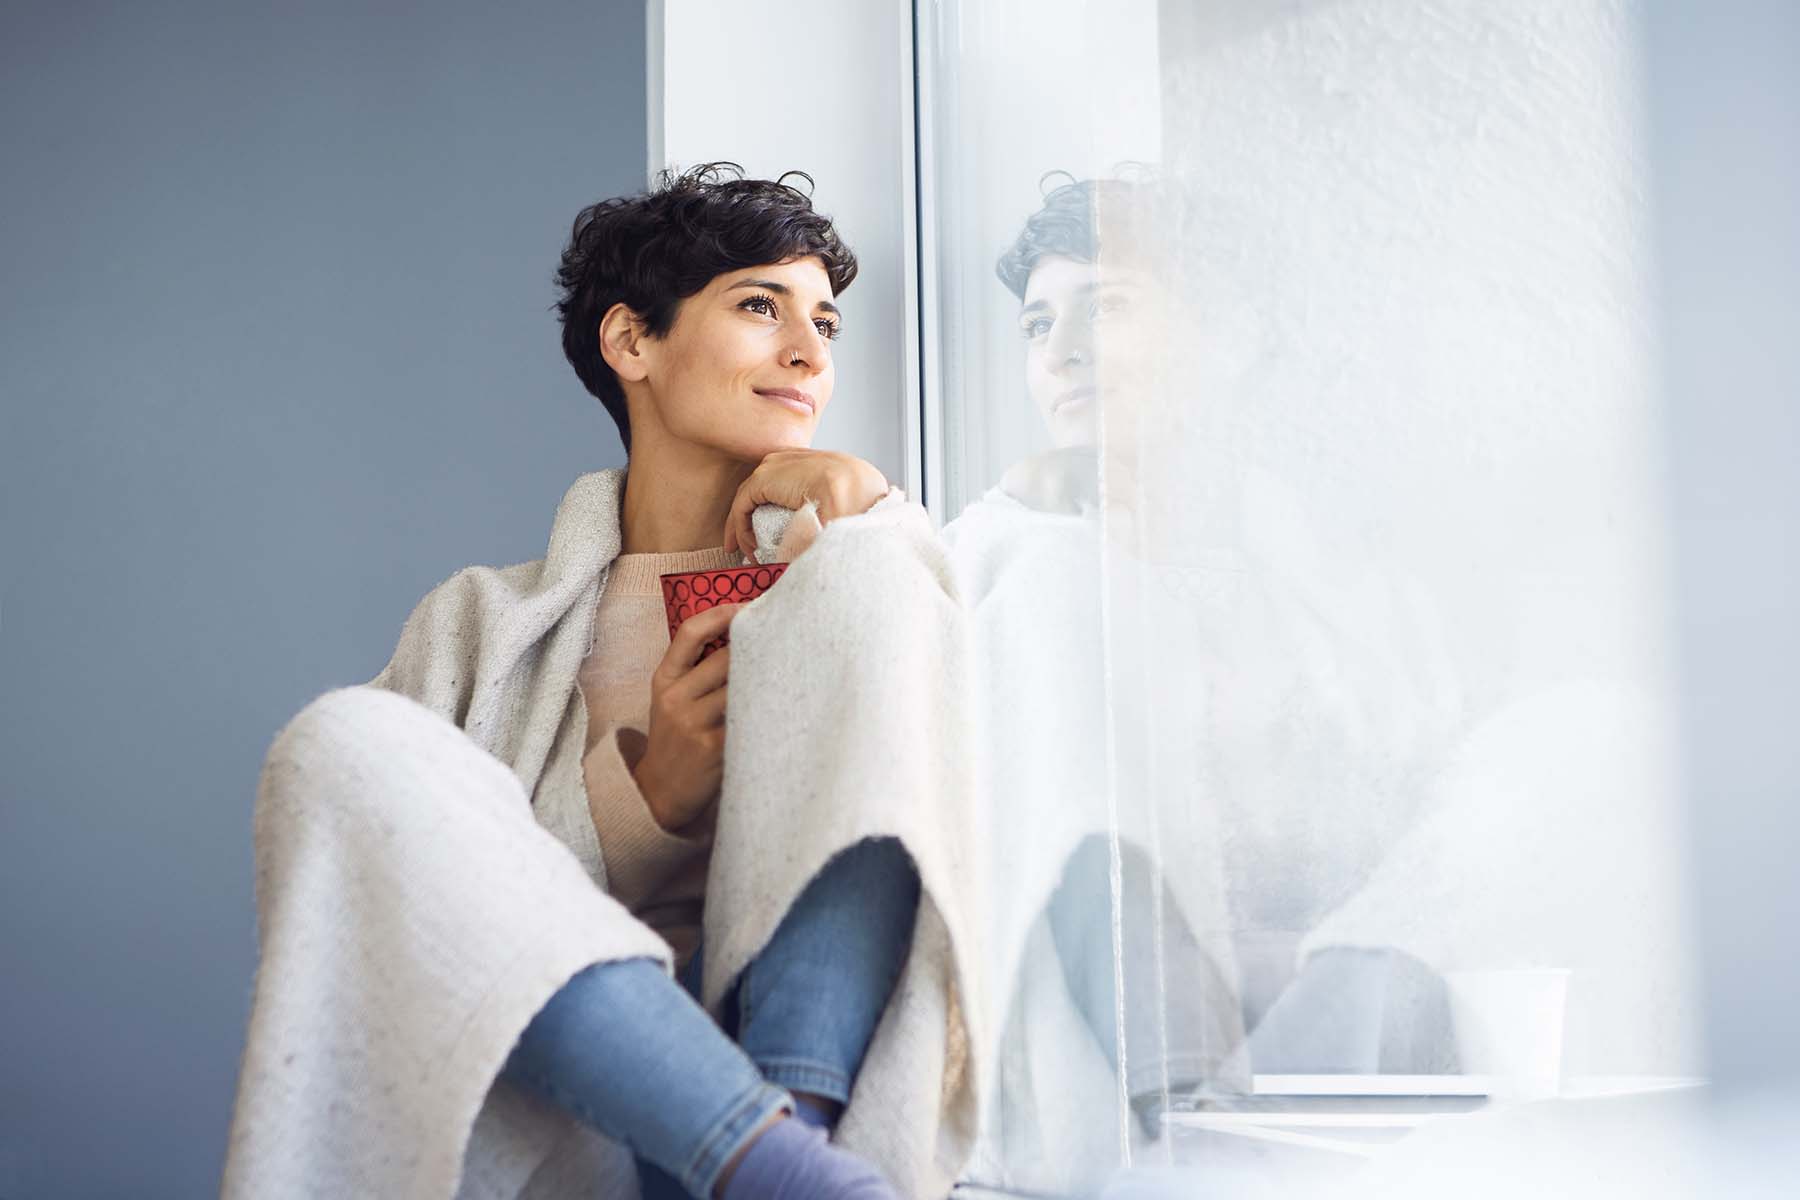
(412, 917)
(622, 1047)
(807, 1006)
(1191, 1034)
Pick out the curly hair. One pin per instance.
(1069, 222)
(654, 250)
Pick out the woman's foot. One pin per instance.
(792, 1160)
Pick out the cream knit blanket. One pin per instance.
(427, 872)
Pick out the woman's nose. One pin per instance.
(808, 348)
(1071, 346)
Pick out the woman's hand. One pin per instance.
(684, 759)
(841, 484)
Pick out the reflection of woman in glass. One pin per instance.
(1064, 301)
(1066, 970)
(1303, 678)
(1125, 371)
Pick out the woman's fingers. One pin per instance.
(692, 634)
(740, 535)
(788, 479)
(743, 531)
(711, 706)
(704, 677)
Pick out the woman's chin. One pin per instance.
(754, 450)
(1074, 429)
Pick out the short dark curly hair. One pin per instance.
(652, 251)
(1069, 222)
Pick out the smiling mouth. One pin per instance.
(1074, 397)
(798, 401)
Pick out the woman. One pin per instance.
(716, 394)
(701, 315)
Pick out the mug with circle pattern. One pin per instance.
(688, 592)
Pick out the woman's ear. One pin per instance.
(621, 343)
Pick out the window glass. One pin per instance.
(1295, 365)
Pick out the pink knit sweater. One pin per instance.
(659, 876)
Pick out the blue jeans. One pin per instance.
(1204, 1023)
(630, 1051)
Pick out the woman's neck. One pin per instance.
(677, 498)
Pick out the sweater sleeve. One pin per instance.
(640, 854)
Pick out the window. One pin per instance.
(1290, 376)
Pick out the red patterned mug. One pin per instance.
(688, 592)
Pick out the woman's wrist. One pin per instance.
(648, 790)
(674, 823)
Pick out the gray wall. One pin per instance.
(276, 357)
(1725, 116)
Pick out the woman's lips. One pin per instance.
(800, 402)
(1074, 397)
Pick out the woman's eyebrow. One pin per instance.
(1038, 306)
(781, 289)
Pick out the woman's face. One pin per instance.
(746, 366)
(1092, 337)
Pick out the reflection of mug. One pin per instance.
(688, 592)
(1509, 1025)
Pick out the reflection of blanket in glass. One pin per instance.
(1060, 1114)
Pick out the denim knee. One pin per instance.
(623, 1049)
(808, 1005)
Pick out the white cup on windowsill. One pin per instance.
(1509, 1027)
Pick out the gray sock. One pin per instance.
(793, 1161)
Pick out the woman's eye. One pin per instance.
(767, 305)
(1036, 327)
(1107, 304)
(827, 329)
